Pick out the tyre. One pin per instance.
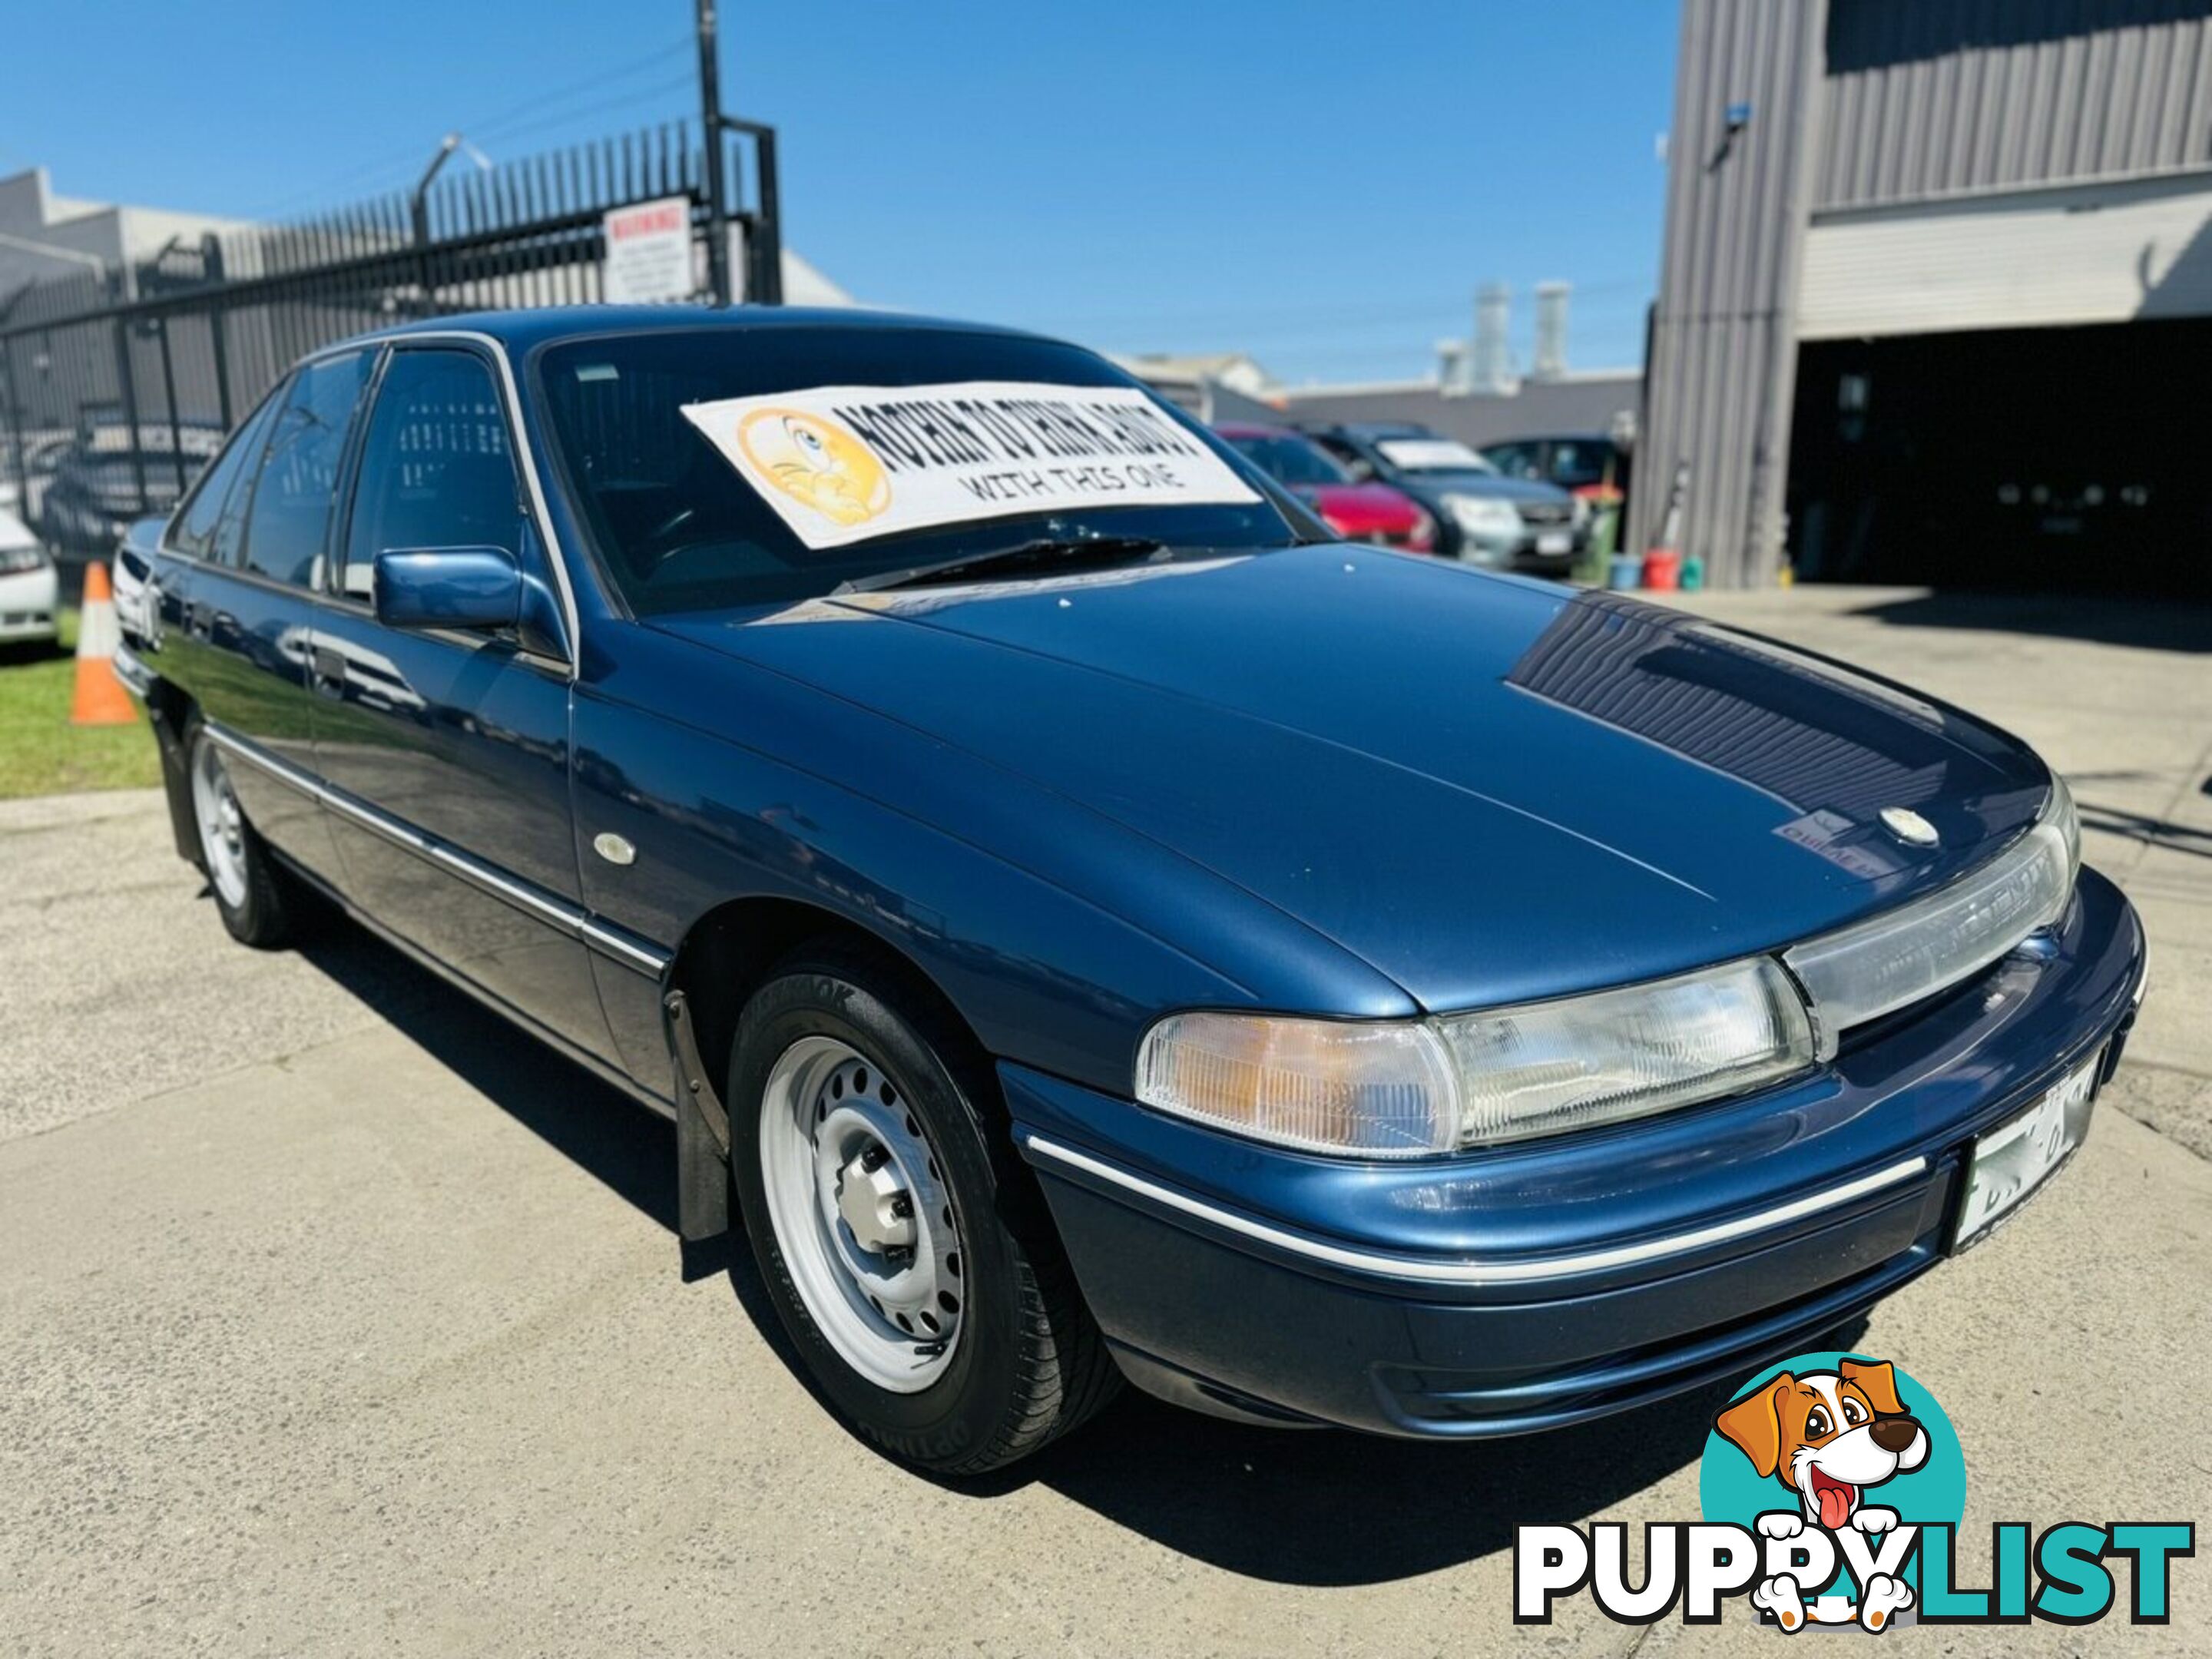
(253, 893)
(904, 1244)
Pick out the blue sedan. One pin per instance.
(1088, 926)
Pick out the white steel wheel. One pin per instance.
(221, 825)
(861, 1214)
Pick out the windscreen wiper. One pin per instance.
(1045, 553)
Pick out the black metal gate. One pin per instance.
(115, 388)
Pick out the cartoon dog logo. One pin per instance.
(816, 462)
(1828, 1435)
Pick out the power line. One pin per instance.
(624, 100)
(393, 161)
(488, 125)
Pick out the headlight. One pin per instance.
(1896, 958)
(1416, 1088)
(1411, 1089)
(1483, 515)
(1377, 1089)
(2060, 812)
(1585, 1060)
(13, 561)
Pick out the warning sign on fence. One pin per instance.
(648, 252)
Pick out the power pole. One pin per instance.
(710, 122)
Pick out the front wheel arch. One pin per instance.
(729, 952)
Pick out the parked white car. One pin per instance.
(30, 596)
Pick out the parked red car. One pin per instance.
(1357, 512)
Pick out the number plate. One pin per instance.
(1555, 541)
(2012, 1160)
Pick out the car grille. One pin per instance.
(1546, 513)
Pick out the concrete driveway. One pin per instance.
(336, 1319)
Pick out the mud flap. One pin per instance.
(176, 776)
(703, 1134)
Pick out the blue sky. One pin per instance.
(1322, 185)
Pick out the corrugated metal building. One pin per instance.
(1937, 275)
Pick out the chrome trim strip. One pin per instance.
(608, 940)
(625, 948)
(245, 749)
(1430, 1272)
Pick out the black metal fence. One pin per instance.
(115, 388)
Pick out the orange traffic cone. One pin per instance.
(100, 699)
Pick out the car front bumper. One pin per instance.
(1519, 550)
(29, 604)
(1533, 1287)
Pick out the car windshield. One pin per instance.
(696, 496)
(1289, 459)
(1431, 455)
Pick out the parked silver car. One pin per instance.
(30, 607)
(1482, 516)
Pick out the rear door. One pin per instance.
(244, 610)
(450, 749)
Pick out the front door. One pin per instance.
(452, 747)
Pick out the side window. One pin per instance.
(289, 519)
(193, 534)
(1356, 464)
(437, 469)
(229, 536)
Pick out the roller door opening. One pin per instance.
(2045, 459)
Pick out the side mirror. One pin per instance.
(448, 587)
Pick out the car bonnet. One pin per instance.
(1488, 789)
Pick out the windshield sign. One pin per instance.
(845, 463)
(742, 466)
(1431, 455)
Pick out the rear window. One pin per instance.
(678, 526)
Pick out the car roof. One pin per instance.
(1252, 429)
(1375, 428)
(523, 330)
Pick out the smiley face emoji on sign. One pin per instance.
(816, 462)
